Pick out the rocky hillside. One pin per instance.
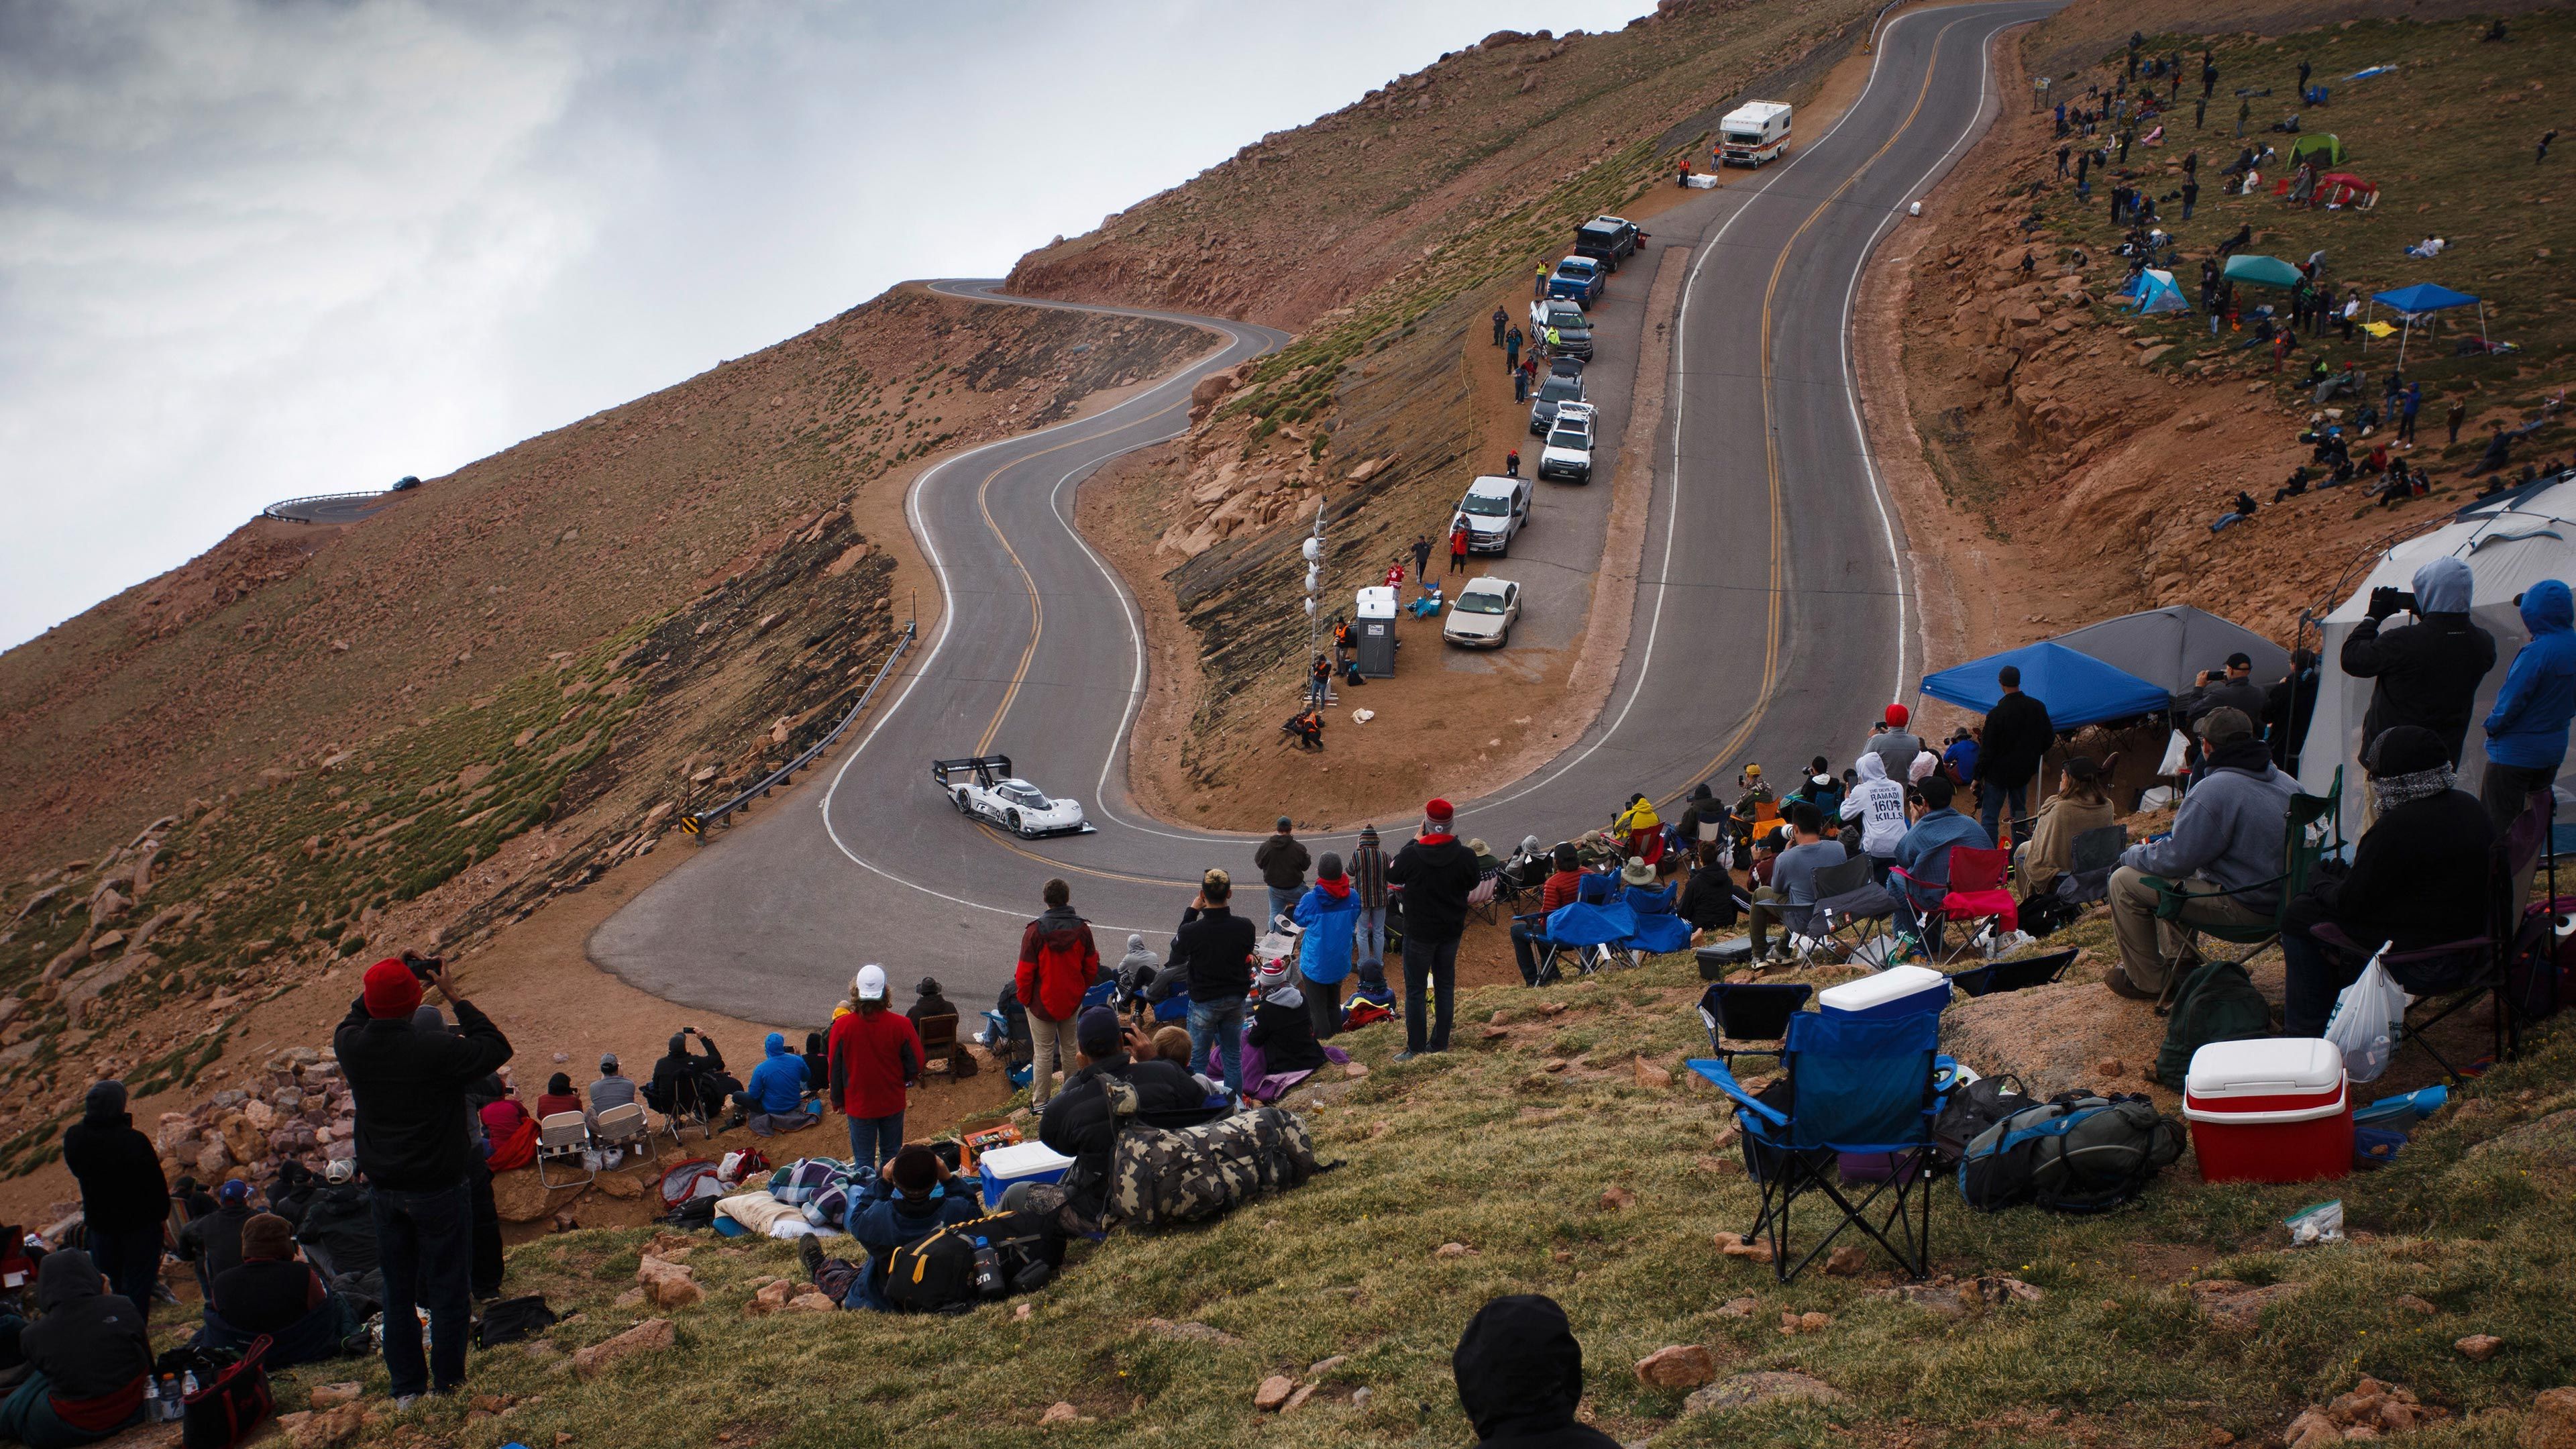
(419, 728)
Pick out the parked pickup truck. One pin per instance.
(1608, 240)
(1573, 330)
(1578, 280)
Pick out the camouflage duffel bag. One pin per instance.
(1161, 1176)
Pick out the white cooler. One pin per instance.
(1896, 991)
(1022, 1162)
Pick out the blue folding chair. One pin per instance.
(1858, 1087)
(1102, 993)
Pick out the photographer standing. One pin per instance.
(409, 1087)
(2427, 671)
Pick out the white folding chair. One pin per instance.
(625, 1128)
(559, 1136)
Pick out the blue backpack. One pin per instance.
(2078, 1152)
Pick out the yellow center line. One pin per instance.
(1771, 439)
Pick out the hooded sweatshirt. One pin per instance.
(778, 1083)
(1520, 1376)
(341, 1222)
(122, 1189)
(2231, 828)
(1330, 913)
(2527, 729)
(2428, 671)
(1058, 963)
(1878, 803)
(1138, 966)
(89, 1344)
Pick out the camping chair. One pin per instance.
(1851, 909)
(2315, 830)
(1590, 931)
(939, 1040)
(2443, 980)
(689, 1107)
(1750, 1012)
(1975, 892)
(1855, 1086)
(2088, 875)
(1481, 898)
(562, 1135)
(2015, 975)
(626, 1128)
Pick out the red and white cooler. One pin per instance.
(2269, 1110)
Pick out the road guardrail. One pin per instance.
(695, 823)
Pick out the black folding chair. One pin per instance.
(1851, 909)
(1750, 1012)
(2018, 975)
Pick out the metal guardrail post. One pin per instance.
(694, 823)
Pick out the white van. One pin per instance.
(1753, 133)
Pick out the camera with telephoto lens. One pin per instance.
(422, 967)
(2385, 601)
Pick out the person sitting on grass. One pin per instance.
(88, 1359)
(774, 1100)
(1080, 1120)
(278, 1296)
(1280, 1025)
(1172, 1044)
(1520, 1376)
(917, 1197)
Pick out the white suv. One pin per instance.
(1495, 509)
(1568, 454)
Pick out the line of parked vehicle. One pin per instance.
(1497, 508)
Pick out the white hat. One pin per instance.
(869, 983)
(341, 1170)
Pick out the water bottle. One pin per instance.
(188, 1385)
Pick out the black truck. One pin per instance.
(1608, 239)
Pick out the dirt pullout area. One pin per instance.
(1381, 415)
(2059, 459)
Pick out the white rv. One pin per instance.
(1753, 133)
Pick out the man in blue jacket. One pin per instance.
(2527, 729)
(2228, 837)
(774, 1099)
(1923, 853)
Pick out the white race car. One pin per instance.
(982, 787)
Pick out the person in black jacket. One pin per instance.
(2287, 707)
(1281, 1025)
(1437, 873)
(213, 1242)
(2014, 740)
(708, 1081)
(1080, 1121)
(1708, 899)
(1520, 1376)
(409, 1087)
(90, 1355)
(340, 1222)
(1214, 945)
(291, 1190)
(124, 1198)
(2427, 671)
(2422, 876)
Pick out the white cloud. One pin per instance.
(255, 250)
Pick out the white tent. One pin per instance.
(2509, 543)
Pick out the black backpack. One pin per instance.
(2216, 1002)
(2076, 1153)
(1973, 1108)
(981, 1260)
(513, 1319)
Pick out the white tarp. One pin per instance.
(2510, 544)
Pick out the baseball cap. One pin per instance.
(608, 1063)
(1096, 1032)
(1753, 772)
(2223, 724)
(870, 983)
(233, 1190)
(341, 1172)
(2240, 660)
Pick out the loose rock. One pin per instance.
(1680, 1366)
(1274, 1391)
(653, 1335)
(2479, 1347)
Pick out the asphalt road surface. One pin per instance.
(332, 508)
(1772, 621)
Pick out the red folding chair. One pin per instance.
(1977, 890)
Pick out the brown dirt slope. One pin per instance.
(2079, 453)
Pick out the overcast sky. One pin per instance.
(250, 251)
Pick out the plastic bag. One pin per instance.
(2318, 1222)
(2177, 755)
(2368, 1019)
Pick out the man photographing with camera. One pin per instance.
(409, 1088)
(2427, 672)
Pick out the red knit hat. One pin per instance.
(1438, 810)
(1897, 715)
(391, 990)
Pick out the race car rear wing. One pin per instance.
(988, 770)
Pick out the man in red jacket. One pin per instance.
(1058, 962)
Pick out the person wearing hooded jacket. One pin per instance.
(711, 1083)
(1437, 874)
(2527, 728)
(1280, 1025)
(1520, 1376)
(124, 1198)
(2227, 838)
(774, 1099)
(1058, 963)
(89, 1355)
(1878, 803)
(2420, 877)
(409, 1087)
(340, 1222)
(1329, 912)
(2427, 672)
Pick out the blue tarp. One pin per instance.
(2077, 688)
(2423, 297)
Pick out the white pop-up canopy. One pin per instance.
(2509, 543)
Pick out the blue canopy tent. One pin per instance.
(2077, 688)
(2423, 299)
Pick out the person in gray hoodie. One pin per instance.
(2229, 836)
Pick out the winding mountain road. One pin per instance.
(1771, 616)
